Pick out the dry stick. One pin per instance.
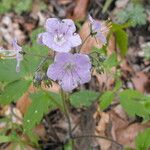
(97, 136)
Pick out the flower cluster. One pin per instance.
(70, 70)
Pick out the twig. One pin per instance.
(97, 136)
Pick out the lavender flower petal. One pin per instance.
(19, 56)
(75, 40)
(70, 70)
(68, 82)
(52, 24)
(97, 28)
(40, 39)
(60, 35)
(69, 25)
(101, 37)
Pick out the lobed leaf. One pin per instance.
(41, 103)
(14, 90)
(106, 99)
(83, 98)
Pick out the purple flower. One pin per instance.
(60, 35)
(70, 70)
(98, 30)
(19, 56)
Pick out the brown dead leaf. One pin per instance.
(122, 131)
(64, 2)
(54, 88)
(80, 10)
(14, 146)
(24, 102)
(105, 80)
(90, 42)
(101, 129)
(40, 131)
(140, 81)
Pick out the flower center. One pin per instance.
(59, 39)
(69, 66)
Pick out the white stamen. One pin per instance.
(59, 39)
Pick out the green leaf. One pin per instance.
(101, 51)
(68, 146)
(143, 140)
(122, 41)
(132, 13)
(22, 6)
(106, 99)
(5, 6)
(130, 101)
(83, 98)
(5, 139)
(118, 85)
(14, 90)
(41, 102)
(111, 61)
(8, 71)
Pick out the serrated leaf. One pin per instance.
(14, 90)
(130, 101)
(132, 13)
(41, 103)
(83, 98)
(106, 99)
(143, 140)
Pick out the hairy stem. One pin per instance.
(42, 62)
(66, 111)
(84, 41)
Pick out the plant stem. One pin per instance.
(66, 111)
(84, 41)
(42, 62)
